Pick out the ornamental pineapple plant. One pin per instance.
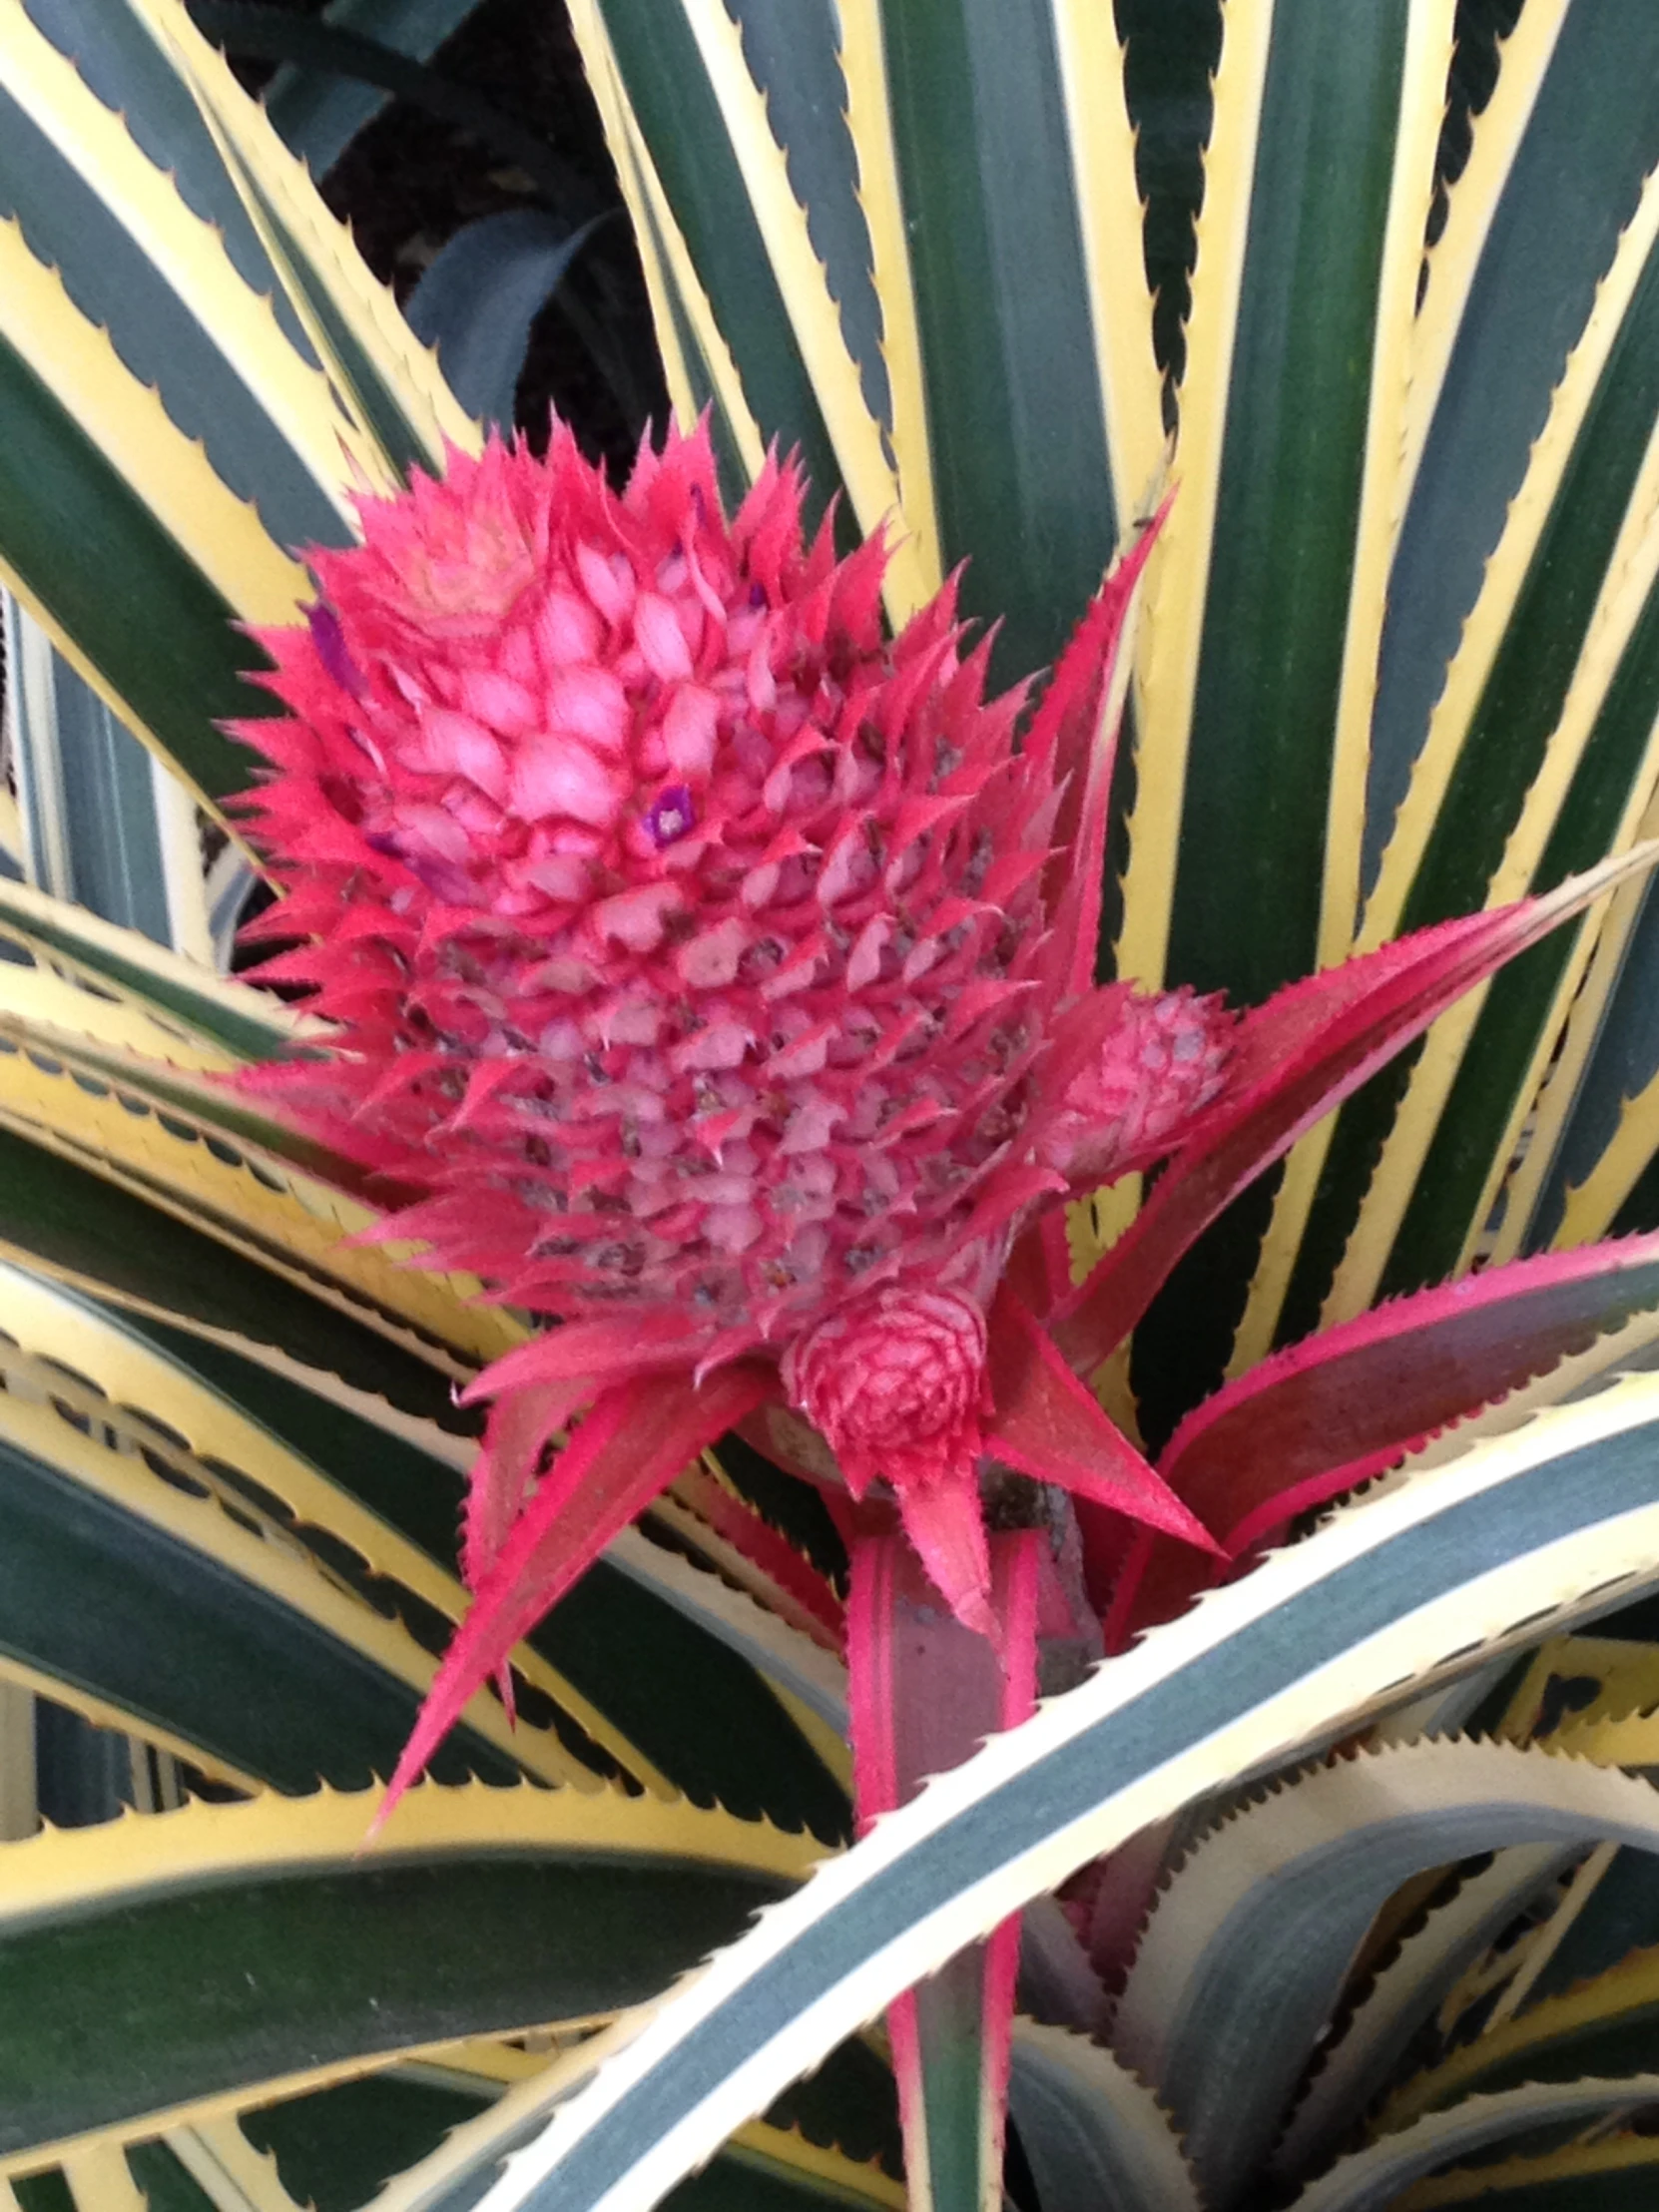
(832, 965)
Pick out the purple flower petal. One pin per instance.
(331, 649)
(670, 814)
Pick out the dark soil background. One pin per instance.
(411, 181)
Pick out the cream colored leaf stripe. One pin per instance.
(1423, 68)
(1322, 1634)
(214, 1521)
(1102, 145)
(1178, 572)
(187, 253)
(1498, 130)
(275, 187)
(869, 126)
(100, 2180)
(121, 1383)
(279, 1214)
(813, 316)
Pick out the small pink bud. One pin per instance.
(894, 1384)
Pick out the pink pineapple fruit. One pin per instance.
(717, 968)
(717, 973)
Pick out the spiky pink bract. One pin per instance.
(701, 955)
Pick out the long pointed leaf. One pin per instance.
(1299, 1055)
(926, 1693)
(1391, 1589)
(1048, 1427)
(1324, 1415)
(633, 1444)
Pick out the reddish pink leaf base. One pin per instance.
(924, 1694)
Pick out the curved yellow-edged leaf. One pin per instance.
(133, 1467)
(278, 1214)
(118, 1382)
(28, 1683)
(1630, 1986)
(869, 126)
(221, 534)
(141, 1855)
(306, 244)
(813, 316)
(38, 1003)
(111, 1871)
(1578, 2161)
(1178, 571)
(1380, 2173)
(102, 954)
(188, 253)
